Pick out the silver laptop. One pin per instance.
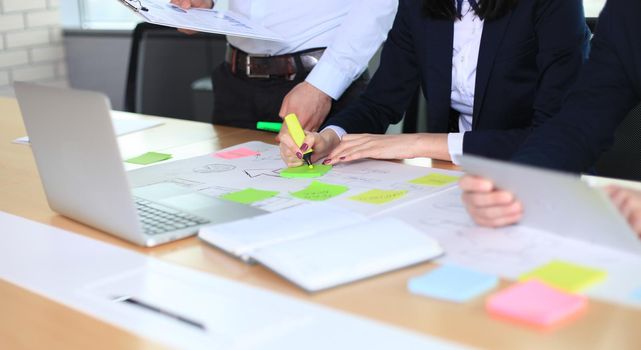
(75, 148)
(559, 203)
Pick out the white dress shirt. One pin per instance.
(352, 31)
(465, 56)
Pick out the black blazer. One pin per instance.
(527, 61)
(607, 89)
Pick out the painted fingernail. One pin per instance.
(327, 161)
(304, 147)
(299, 155)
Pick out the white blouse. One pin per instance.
(465, 55)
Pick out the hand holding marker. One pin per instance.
(297, 133)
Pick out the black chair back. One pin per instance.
(163, 64)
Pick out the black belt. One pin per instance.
(265, 66)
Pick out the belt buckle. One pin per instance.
(248, 70)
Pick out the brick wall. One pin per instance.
(30, 43)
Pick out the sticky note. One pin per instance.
(305, 171)
(535, 303)
(318, 191)
(237, 153)
(566, 276)
(249, 196)
(435, 180)
(453, 283)
(636, 295)
(149, 158)
(378, 196)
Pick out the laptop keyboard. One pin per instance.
(157, 219)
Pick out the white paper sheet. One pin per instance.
(511, 251)
(202, 20)
(86, 275)
(216, 176)
(122, 126)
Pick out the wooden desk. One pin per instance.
(29, 321)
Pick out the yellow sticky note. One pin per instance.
(566, 276)
(435, 180)
(378, 196)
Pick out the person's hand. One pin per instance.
(629, 204)
(403, 146)
(322, 143)
(310, 105)
(187, 4)
(487, 205)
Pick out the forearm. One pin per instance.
(432, 146)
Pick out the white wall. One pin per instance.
(30, 43)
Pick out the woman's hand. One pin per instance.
(322, 143)
(403, 146)
(487, 205)
(629, 204)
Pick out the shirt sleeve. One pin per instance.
(362, 32)
(340, 132)
(455, 145)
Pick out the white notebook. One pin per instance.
(319, 246)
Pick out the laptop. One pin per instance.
(76, 152)
(559, 203)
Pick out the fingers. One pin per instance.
(488, 206)
(629, 204)
(351, 147)
(183, 4)
(496, 215)
(472, 183)
(289, 152)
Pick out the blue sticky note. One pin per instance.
(452, 283)
(636, 295)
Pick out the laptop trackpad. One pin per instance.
(191, 202)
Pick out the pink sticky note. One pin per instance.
(535, 303)
(236, 153)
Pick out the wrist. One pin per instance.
(431, 146)
(318, 92)
(330, 141)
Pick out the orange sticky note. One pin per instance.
(237, 153)
(535, 303)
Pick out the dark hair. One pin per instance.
(487, 9)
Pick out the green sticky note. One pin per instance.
(566, 276)
(249, 196)
(378, 196)
(318, 191)
(149, 158)
(435, 180)
(305, 171)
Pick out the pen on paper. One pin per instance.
(141, 304)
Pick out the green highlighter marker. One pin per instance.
(269, 126)
(297, 133)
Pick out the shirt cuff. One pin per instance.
(455, 146)
(340, 132)
(329, 79)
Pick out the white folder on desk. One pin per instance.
(161, 12)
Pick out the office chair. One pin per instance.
(623, 159)
(163, 64)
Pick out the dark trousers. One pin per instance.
(241, 102)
